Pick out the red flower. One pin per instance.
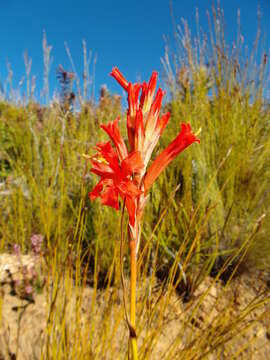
(148, 91)
(183, 140)
(112, 130)
(116, 178)
(133, 96)
(119, 77)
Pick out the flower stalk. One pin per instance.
(133, 282)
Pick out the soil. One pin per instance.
(24, 314)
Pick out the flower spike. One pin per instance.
(120, 170)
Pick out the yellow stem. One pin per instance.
(133, 270)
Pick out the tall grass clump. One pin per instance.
(222, 89)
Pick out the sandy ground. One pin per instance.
(24, 314)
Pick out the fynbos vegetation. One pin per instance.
(204, 248)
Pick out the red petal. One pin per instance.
(109, 197)
(108, 153)
(101, 169)
(143, 94)
(96, 191)
(128, 188)
(133, 96)
(131, 209)
(157, 102)
(152, 84)
(112, 130)
(132, 163)
(139, 131)
(133, 105)
(131, 131)
(183, 140)
(153, 115)
(162, 122)
(119, 78)
(150, 92)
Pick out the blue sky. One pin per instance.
(128, 34)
